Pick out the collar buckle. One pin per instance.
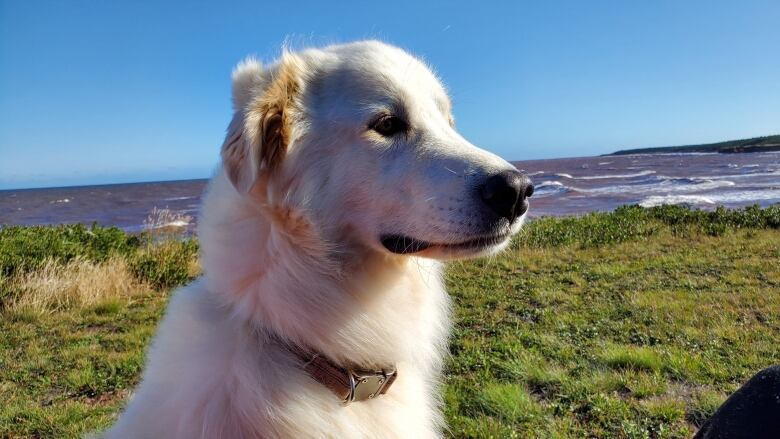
(366, 385)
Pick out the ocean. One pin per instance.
(566, 186)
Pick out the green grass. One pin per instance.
(632, 324)
(631, 357)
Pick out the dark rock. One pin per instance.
(753, 411)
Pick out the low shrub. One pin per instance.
(23, 249)
(627, 223)
(166, 264)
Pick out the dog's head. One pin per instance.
(360, 142)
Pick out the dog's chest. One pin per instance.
(408, 410)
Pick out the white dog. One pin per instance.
(321, 312)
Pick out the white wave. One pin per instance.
(773, 173)
(749, 195)
(546, 188)
(179, 198)
(600, 177)
(693, 185)
(604, 163)
(720, 198)
(647, 154)
(176, 223)
(659, 200)
(535, 173)
(564, 175)
(667, 186)
(64, 200)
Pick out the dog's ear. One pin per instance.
(259, 134)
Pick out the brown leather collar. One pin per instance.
(349, 384)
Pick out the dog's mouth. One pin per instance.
(404, 245)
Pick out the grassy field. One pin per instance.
(634, 324)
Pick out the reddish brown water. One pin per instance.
(563, 187)
(578, 185)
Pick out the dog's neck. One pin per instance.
(274, 272)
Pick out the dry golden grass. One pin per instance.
(165, 226)
(56, 286)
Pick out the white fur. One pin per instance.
(299, 256)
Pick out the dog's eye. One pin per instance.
(389, 126)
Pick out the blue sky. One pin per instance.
(98, 91)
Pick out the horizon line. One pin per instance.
(164, 180)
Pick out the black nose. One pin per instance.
(507, 194)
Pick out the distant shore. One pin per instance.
(754, 144)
